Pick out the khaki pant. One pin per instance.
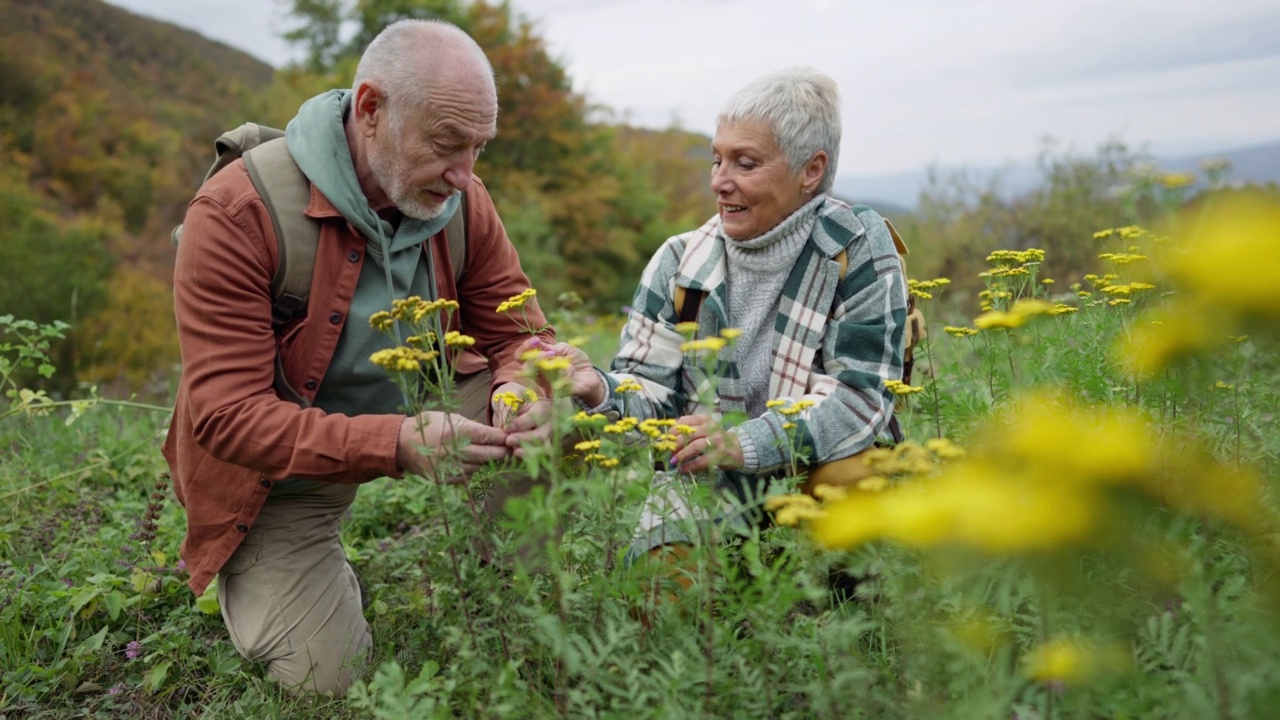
(290, 599)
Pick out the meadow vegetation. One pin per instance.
(1081, 524)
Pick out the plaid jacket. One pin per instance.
(834, 341)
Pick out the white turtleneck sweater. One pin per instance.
(757, 270)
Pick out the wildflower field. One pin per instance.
(1082, 523)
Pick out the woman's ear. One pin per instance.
(813, 171)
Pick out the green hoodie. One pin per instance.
(395, 266)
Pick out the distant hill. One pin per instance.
(1256, 164)
(98, 104)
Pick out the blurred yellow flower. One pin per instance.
(1232, 262)
(687, 328)
(711, 344)
(731, 333)
(959, 331)
(998, 320)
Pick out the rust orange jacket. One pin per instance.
(232, 437)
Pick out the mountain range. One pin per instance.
(897, 193)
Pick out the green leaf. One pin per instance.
(155, 678)
(46, 370)
(207, 603)
(92, 643)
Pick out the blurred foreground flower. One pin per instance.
(1052, 474)
(1074, 661)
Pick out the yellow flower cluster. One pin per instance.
(1122, 258)
(1129, 232)
(423, 341)
(629, 386)
(453, 338)
(1016, 257)
(555, 364)
(1073, 660)
(921, 288)
(514, 401)
(516, 302)
(403, 359)
(582, 419)
(381, 321)
(789, 510)
(897, 387)
(1047, 473)
(623, 426)
(414, 309)
(687, 328)
(788, 407)
(954, 331)
(711, 344)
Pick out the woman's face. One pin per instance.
(752, 179)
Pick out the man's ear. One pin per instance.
(367, 107)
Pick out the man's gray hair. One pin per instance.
(802, 108)
(406, 58)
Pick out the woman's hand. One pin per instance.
(708, 446)
(584, 382)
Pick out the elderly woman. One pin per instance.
(813, 287)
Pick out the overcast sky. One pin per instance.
(975, 82)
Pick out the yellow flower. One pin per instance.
(687, 328)
(944, 448)
(1175, 331)
(778, 502)
(829, 493)
(381, 321)
(1046, 281)
(998, 320)
(1233, 263)
(791, 516)
(424, 341)
(959, 331)
(776, 403)
(711, 344)
(1118, 301)
(453, 338)
(628, 385)
(897, 387)
(731, 333)
(609, 462)
(788, 426)
(1176, 180)
(517, 301)
(556, 364)
(683, 430)
(1223, 386)
(509, 399)
(1063, 309)
(1030, 307)
(1072, 661)
(1104, 234)
(587, 445)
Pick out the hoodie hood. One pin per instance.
(318, 143)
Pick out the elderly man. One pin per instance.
(266, 480)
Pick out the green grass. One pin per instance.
(774, 627)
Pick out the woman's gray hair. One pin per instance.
(407, 56)
(802, 108)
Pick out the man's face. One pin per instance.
(423, 155)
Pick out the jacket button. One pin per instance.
(336, 318)
(353, 256)
(264, 483)
(309, 384)
(242, 528)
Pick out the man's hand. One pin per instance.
(530, 422)
(706, 447)
(430, 437)
(584, 382)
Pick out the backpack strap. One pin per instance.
(286, 192)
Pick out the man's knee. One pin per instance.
(324, 666)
